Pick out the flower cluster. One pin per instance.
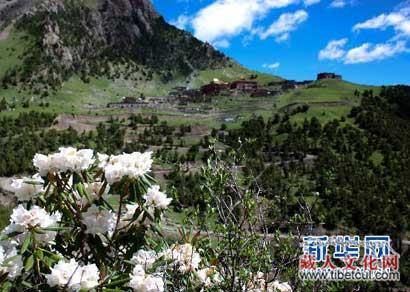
(142, 282)
(133, 165)
(67, 159)
(179, 257)
(73, 276)
(208, 276)
(144, 258)
(27, 188)
(99, 220)
(184, 257)
(10, 262)
(155, 198)
(22, 221)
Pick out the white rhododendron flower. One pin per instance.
(132, 165)
(184, 256)
(102, 159)
(99, 221)
(204, 277)
(282, 287)
(10, 262)
(73, 276)
(144, 258)
(65, 274)
(208, 276)
(142, 282)
(21, 220)
(42, 163)
(155, 198)
(72, 159)
(27, 188)
(113, 173)
(67, 159)
(89, 277)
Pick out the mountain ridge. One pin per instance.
(91, 38)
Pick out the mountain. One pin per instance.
(62, 38)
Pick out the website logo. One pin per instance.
(348, 258)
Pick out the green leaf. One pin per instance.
(29, 263)
(83, 193)
(39, 231)
(39, 254)
(4, 237)
(6, 286)
(26, 284)
(26, 243)
(119, 282)
(54, 229)
(147, 213)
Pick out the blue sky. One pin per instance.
(367, 41)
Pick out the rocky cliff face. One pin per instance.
(87, 37)
(11, 9)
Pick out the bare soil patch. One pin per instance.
(5, 33)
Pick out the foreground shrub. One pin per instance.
(91, 221)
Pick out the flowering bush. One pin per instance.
(91, 221)
(82, 223)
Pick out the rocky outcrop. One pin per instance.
(12, 9)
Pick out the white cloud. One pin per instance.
(310, 2)
(334, 50)
(223, 43)
(181, 22)
(398, 20)
(338, 3)
(365, 53)
(286, 23)
(273, 66)
(369, 52)
(227, 18)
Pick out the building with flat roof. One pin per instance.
(215, 87)
(326, 75)
(244, 85)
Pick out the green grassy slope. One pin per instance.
(12, 45)
(327, 99)
(326, 103)
(233, 71)
(325, 91)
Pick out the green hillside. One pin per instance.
(12, 46)
(232, 72)
(325, 91)
(327, 99)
